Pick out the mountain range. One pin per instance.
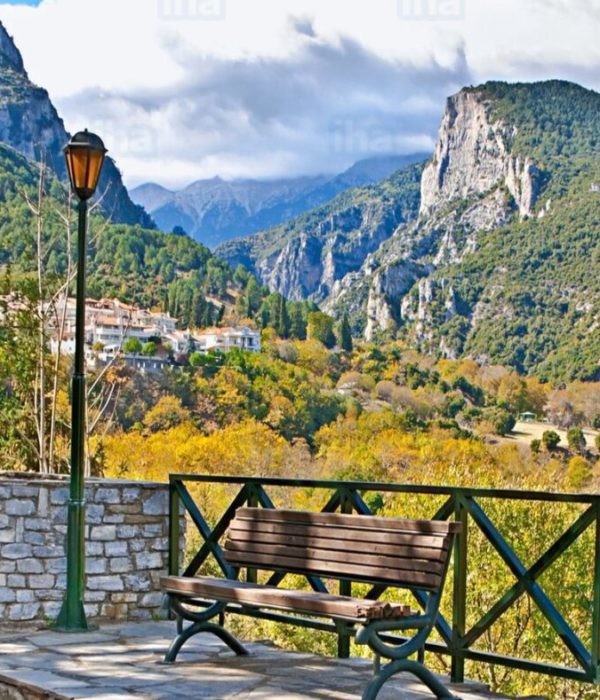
(491, 249)
(30, 124)
(215, 210)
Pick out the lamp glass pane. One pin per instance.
(96, 159)
(78, 158)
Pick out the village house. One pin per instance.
(226, 339)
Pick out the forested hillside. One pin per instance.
(140, 266)
(530, 296)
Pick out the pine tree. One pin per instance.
(345, 335)
(198, 308)
(264, 315)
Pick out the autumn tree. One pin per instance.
(551, 439)
(320, 327)
(167, 413)
(576, 439)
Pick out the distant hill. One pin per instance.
(30, 124)
(492, 250)
(213, 211)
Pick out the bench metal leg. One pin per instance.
(422, 673)
(195, 628)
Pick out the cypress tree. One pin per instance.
(283, 319)
(345, 335)
(207, 320)
(298, 323)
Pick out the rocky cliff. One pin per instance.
(30, 124)
(472, 157)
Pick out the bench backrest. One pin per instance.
(405, 553)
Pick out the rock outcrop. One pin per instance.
(472, 157)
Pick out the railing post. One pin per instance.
(251, 573)
(174, 533)
(345, 586)
(596, 602)
(459, 602)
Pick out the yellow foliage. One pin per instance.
(249, 448)
(579, 472)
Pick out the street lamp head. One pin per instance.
(85, 156)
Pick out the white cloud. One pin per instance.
(260, 88)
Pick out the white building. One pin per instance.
(226, 339)
(113, 332)
(180, 341)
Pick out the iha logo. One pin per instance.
(431, 9)
(191, 9)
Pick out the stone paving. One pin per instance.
(125, 661)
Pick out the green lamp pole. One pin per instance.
(84, 154)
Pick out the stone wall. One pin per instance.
(126, 536)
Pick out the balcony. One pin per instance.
(520, 614)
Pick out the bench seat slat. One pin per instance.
(242, 538)
(281, 599)
(343, 534)
(334, 557)
(371, 522)
(335, 569)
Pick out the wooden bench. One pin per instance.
(384, 552)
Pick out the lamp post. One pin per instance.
(84, 154)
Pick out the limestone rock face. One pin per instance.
(522, 180)
(472, 157)
(30, 124)
(296, 270)
(313, 263)
(10, 56)
(392, 281)
(469, 153)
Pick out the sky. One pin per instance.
(188, 89)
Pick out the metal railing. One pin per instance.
(462, 504)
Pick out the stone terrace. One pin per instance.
(125, 661)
